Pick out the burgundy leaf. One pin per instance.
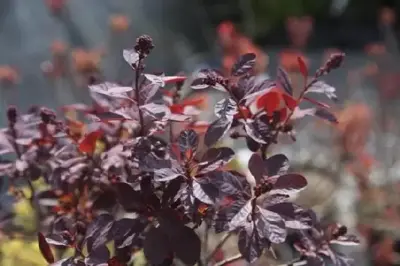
(277, 164)
(284, 80)
(289, 183)
(257, 129)
(227, 182)
(245, 63)
(225, 214)
(215, 158)
(217, 130)
(272, 226)
(240, 218)
(45, 248)
(251, 245)
(256, 167)
(295, 217)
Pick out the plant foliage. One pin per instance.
(122, 157)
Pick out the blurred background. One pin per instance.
(50, 50)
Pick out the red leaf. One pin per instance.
(290, 102)
(302, 66)
(88, 144)
(45, 248)
(174, 79)
(270, 101)
(177, 108)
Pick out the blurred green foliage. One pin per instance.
(269, 14)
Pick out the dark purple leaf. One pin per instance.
(156, 246)
(272, 225)
(217, 130)
(227, 182)
(274, 199)
(276, 165)
(168, 174)
(98, 256)
(226, 108)
(241, 217)
(245, 63)
(245, 84)
(199, 83)
(105, 201)
(215, 158)
(284, 80)
(45, 248)
(253, 145)
(289, 183)
(257, 129)
(129, 198)
(188, 141)
(295, 217)
(258, 89)
(186, 245)
(256, 167)
(251, 245)
(226, 213)
(171, 190)
(99, 232)
(200, 192)
(326, 115)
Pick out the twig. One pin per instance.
(220, 244)
(229, 260)
(137, 94)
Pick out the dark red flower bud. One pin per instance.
(144, 45)
(12, 114)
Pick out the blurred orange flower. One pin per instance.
(119, 23)
(86, 61)
(8, 74)
(288, 60)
